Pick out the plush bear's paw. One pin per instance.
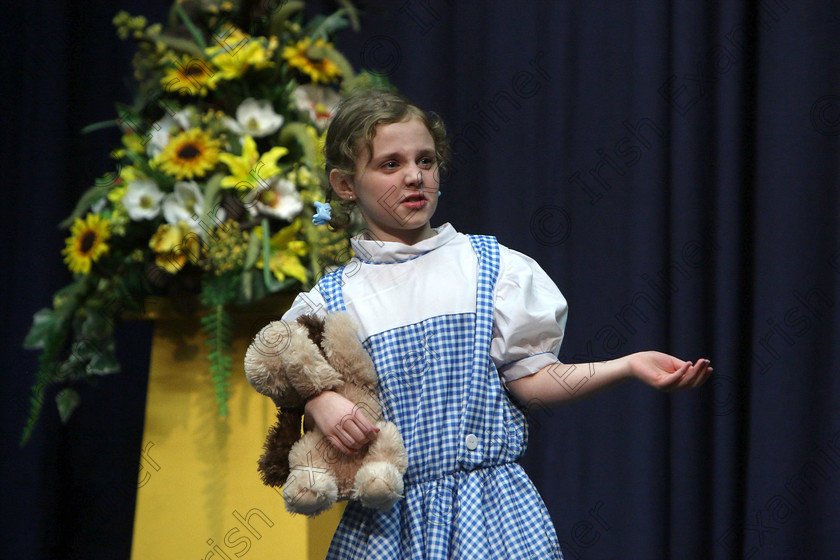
(378, 485)
(309, 492)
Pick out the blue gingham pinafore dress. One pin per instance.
(465, 495)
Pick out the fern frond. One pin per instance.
(216, 292)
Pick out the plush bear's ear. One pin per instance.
(282, 360)
(266, 357)
(274, 463)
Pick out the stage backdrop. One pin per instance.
(672, 165)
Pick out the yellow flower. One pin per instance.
(286, 251)
(225, 252)
(127, 25)
(190, 154)
(175, 245)
(118, 192)
(132, 141)
(86, 243)
(304, 56)
(287, 264)
(189, 76)
(128, 173)
(238, 52)
(248, 170)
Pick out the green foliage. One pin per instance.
(282, 15)
(196, 34)
(67, 401)
(49, 332)
(217, 324)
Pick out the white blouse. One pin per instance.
(390, 284)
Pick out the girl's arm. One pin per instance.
(558, 383)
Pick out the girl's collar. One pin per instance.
(387, 252)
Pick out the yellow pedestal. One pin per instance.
(199, 494)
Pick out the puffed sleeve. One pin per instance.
(307, 302)
(530, 317)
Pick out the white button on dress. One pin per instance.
(471, 441)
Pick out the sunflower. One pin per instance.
(189, 76)
(307, 57)
(190, 154)
(86, 243)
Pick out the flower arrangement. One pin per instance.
(214, 184)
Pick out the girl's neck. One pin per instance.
(402, 236)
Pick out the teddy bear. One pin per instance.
(293, 362)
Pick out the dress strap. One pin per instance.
(487, 250)
(481, 385)
(330, 288)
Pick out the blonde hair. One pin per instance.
(354, 125)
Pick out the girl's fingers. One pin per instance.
(686, 376)
(671, 381)
(355, 432)
(371, 433)
(336, 442)
(352, 433)
(690, 374)
(367, 428)
(681, 374)
(704, 376)
(346, 439)
(697, 375)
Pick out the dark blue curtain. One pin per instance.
(672, 165)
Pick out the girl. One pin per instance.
(464, 334)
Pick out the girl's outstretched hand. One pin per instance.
(344, 424)
(668, 373)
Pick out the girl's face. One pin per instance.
(396, 190)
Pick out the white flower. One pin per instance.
(255, 118)
(318, 101)
(165, 128)
(185, 204)
(142, 199)
(278, 198)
